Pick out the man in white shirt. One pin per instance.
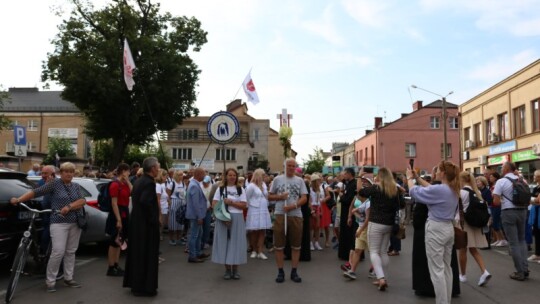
(513, 221)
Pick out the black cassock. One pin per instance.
(141, 271)
(421, 278)
(346, 232)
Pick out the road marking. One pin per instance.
(80, 262)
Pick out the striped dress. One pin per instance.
(178, 200)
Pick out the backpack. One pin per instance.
(104, 197)
(477, 214)
(521, 195)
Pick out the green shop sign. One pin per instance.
(523, 156)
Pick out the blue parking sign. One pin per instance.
(20, 135)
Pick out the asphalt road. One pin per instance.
(181, 282)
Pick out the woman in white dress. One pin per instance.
(258, 217)
(163, 199)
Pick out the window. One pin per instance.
(477, 135)
(502, 121)
(30, 146)
(448, 150)
(519, 121)
(32, 125)
(225, 154)
(410, 150)
(256, 134)
(467, 134)
(434, 122)
(536, 115)
(372, 155)
(189, 134)
(454, 123)
(181, 153)
(10, 146)
(490, 128)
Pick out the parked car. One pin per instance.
(96, 218)
(14, 220)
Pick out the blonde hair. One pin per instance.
(387, 182)
(178, 174)
(451, 173)
(257, 178)
(467, 179)
(483, 180)
(67, 166)
(160, 178)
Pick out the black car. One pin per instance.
(14, 220)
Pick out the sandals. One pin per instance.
(393, 253)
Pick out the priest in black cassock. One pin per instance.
(347, 225)
(141, 271)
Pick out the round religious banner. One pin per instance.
(223, 127)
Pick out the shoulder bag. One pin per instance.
(460, 235)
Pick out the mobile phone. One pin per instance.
(411, 163)
(368, 169)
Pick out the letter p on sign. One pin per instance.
(20, 135)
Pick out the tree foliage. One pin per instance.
(315, 162)
(60, 146)
(102, 153)
(88, 62)
(4, 121)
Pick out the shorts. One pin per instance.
(294, 232)
(113, 232)
(496, 222)
(361, 241)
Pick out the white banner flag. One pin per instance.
(129, 66)
(249, 89)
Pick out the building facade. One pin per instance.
(503, 124)
(188, 144)
(45, 115)
(417, 135)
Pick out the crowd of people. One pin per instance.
(297, 212)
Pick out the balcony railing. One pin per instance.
(177, 136)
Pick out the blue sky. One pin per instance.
(333, 64)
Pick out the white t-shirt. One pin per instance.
(179, 190)
(231, 192)
(315, 198)
(504, 186)
(163, 201)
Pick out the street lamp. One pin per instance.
(445, 152)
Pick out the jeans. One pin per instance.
(65, 241)
(206, 229)
(195, 237)
(378, 240)
(513, 222)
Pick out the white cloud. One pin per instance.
(502, 67)
(415, 34)
(372, 13)
(325, 27)
(518, 17)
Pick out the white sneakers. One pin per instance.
(501, 243)
(534, 258)
(484, 278)
(311, 247)
(462, 278)
(317, 246)
(261, 255)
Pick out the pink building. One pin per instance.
(418, 135)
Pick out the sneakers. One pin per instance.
(311, 247)
(350, 274)
(115, 271)
(346, 266)
(172, 242)
(372, 275)
(235, 275)
(462, 278)
(484, 278)
(72, 284)
(253, 254)
(227, 275)
(295, 278)
(280, 277)
(517, 276)
(51, 288)
(317, 246)
(534, 258)
(495, 244)
(262, 256)
(502, 243)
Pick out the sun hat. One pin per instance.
(207, 179)
(315, 177)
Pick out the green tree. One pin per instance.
(315, 162)
(4, 121)
(87, 61)
(60, 146)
